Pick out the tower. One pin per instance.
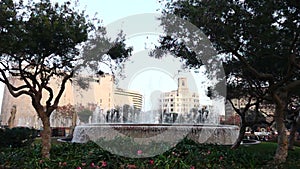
(182, 85)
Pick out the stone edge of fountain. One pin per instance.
(217, 134)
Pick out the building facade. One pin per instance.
(180, 101)
(132, 98)
(101, 92)
(267, 108)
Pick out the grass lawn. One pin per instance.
(268, 149)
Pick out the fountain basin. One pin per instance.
(247, 142)
(201, 133)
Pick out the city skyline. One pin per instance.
(102, 93)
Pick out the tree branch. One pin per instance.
(61, 90)
(25, 78)
(259, 75)
(50, 91)
(14, 91)
(291, 86)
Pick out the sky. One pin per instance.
(110, 11)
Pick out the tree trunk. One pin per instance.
(240, 137)
(292, 136)
(282, 141)
(46, 137)
(282, 147)
(293, 131)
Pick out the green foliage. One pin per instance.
(84, 115)
(17, 137)
(185, 155)
(42, 32)
(126, 146)
(119, 52)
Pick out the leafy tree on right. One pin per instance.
(263, 36)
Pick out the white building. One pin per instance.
(180, 101)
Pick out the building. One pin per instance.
(181, 100)
(267, 108)
(25, 113)
(132, 98)
(101, 92)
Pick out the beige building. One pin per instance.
(101, 92)
(25, 113)
(181, 100)
(266, 108)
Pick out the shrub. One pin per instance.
(17, 137)
(84, 115)
(185, 155)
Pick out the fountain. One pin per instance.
(171, 126)
(125, 129)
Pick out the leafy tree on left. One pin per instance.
(39, 43)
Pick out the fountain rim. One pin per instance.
(156, 125)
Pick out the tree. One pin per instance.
(232, 120)
(39, 43)
(245, 88)
(68, 111)
(294, 116)
(262, 35)
(84, 115)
